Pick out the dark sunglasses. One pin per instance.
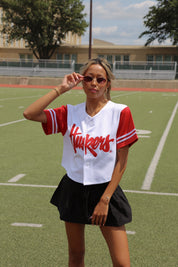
(88, 79)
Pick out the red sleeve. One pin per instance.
(56, 120)
(126, 133)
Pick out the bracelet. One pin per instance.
(56, 91)
(105, 200)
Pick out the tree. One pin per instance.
(43, 24)
(162, 22)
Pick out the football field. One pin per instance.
(31, 233)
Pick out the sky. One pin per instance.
(118, 21)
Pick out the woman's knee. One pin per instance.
(76, 255)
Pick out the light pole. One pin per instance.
(90, 31)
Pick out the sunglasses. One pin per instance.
(88, 79)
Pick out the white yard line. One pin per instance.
(27, 224)
(16, 178)
(127, 191)
(152, 168)
(11, 122)
(131, 232)
(126, 94)
(21, 97)
(151, 193)
(30, 185)
(40, 225)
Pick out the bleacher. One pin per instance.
(40, 68)
(145, 70)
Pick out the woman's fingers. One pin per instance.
(70, 81)
(73, 79)
(98, 219)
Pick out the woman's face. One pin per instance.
(95, 82)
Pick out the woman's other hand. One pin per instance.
(100, 213)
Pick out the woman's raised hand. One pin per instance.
(69, 81)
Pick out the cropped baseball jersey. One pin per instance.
(90, 143)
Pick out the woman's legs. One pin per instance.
(76, 243)
(116, 239)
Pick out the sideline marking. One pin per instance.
(126, 94)
(30, 185)
(127, 191)
(152, 168)
(40, 225)
(16, 178)
(131, 232)
(151, 193)
(27, 224)
(11, 122)
(20, 97)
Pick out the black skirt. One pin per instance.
(76, 203)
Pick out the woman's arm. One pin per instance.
(100, 213)
(36, 112)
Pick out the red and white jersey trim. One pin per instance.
(54, 121)
(126, 137)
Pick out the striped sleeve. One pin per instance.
(56, 121)
(126, 133)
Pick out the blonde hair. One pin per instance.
(106, 66)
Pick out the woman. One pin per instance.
(97, 135)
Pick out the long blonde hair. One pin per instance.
(106, 66)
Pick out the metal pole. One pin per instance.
(90, 31)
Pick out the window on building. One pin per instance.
(109, 58)
(167, 58)
(30, 57)
(22, 56)
(59, 56)
(175, 59)
(66, 56)
(150, 58)
(126, 58)
(118, 58)
(159, 58)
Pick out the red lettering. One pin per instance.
(89, 143)
(105, 145)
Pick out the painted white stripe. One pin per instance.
(151, 193)
(11, 122)
(118, 95)
(143, 136)
(16, 178)
(131, 232)
(29, 185)
(127, 191)
(27, 224)
(152, 168)
(24, 97)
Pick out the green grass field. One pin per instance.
(153, 236)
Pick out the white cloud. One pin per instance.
(105, 30)
(116, 10)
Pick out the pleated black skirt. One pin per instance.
(76, 203)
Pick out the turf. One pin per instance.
(25, 149)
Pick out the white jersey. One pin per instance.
(90, 143)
